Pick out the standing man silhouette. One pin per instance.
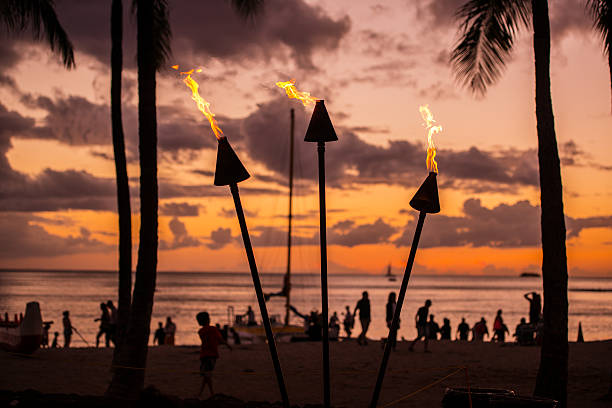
(421, 325)
(363, 305)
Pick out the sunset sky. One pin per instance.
(374, 64)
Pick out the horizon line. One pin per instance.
(28, 270)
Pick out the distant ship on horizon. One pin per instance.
(529, 275)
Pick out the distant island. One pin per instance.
(530, 275)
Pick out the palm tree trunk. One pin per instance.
(128, 375)
(123, 188)
(552, 374)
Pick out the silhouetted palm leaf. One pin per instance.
(601, 11)
(247, 8)
(488, 29)
(39, 15)
(162, 33)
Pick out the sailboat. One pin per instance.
(389, 275)
(283, 331)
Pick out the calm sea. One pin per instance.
(182, 295)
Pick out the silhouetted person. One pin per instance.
(283, 292)
(250, 315)
(104, 320)
(445, 330)
(67, 328)
(210, 337)
(348, 322)
(313, 324)
(421, 325)
(479, 330)
(499, 328)
(334, 326)
(363, 305)
(170, 330)
(463, 329)
(54, 342)
(45, 334)
(535, 306)
(539, 331)
(524, 333)
(160, 335)
(432, 328)
(389, 313)
(112, 323)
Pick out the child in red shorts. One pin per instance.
(209, 352)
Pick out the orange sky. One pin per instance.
(374, 66)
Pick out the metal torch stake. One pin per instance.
(259, 291)
(398, 310)
(324, 302)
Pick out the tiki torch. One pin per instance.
(229, 172)
(320, 130)
(425, 201)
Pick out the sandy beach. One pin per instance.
(246, 372)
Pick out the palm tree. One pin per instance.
(123, 187)
(40, 17)
(153, 47)
(601, 11)
(488, 29)
(153, 51)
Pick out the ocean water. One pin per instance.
(182, 295)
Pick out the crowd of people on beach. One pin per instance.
(527, 332)
(428, 329)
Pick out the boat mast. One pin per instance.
(287, 283)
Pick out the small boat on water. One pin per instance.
(25, 336)
(389, 275)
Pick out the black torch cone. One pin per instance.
(230, 171)
(425, 201)
(229, 167)
(321, 130)
(426, 198)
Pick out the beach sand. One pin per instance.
(247, 373)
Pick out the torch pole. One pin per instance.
(324, 301)
(259, 291)
(398, 310)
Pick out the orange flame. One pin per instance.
(431, 130)
(292, 92)
(201, 103)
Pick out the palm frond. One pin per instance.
(601, 12)
(162, 34)
(487, 30)
(40, 16)
(247, 8)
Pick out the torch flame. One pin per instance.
(201, 103)
(292, 92)
(431, 130)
